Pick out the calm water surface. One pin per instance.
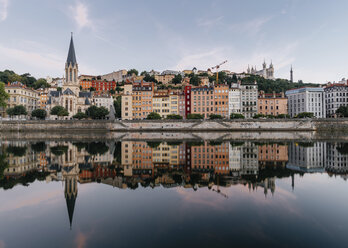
(173, 194)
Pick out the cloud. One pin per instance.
(252, 27)
(208, 23)
(81, 15)
(3, 9)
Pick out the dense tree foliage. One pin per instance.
(236, 116)
(17, 110)
(342, 111)
(277, 85)
(215, 117)
(174, 117)
(118, 107)
(39, 113)
(154, 116)
(80, 116)
(9, 76)
(305, 115)
(132, 71)
(148, 78)
(195, 117)
(97, 112)
(3, 95)
(56, 109)
(177, 79)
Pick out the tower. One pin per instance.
(71, 68)
(291, 75)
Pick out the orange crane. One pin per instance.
(217, 67)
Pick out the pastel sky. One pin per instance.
(182, 34)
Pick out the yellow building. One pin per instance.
(19, 94)
(127, 100)
(165, 79)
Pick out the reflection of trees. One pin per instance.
(17, 151)
(306, 144)
(342, 148)
(118, 152)
(25, 180)
(271, 143)
(195, 143)
(59, 150)
(96, 148)
(80, 145)
(174, 143)
(39, 147)
(153, 144)
(3, 165)
(236, 143)
(216, 142)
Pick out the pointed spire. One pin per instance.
(71, 54)
(70, 203)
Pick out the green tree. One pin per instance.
(118, 89)
(148, 78)
(97, 113)
(3, 95)
(56, 109)
(10, 112)
(194, 79)
(174, 117)
(41, 83)
(118, 107)
(92, 89)
(154, 116)
(39, 113)
(132, 71)
(258, 116)
(177, 79)
(14, 78)
(236, 116)
(305, 115)
(342, 111)
(59, 89)
(80, 116)
(215, 117)
(195, 117)
(17, 110)
(63, 112)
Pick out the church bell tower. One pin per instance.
(71, 68)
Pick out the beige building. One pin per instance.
(117, 76)
(165, 79)
(127, 102)
(272, 104)
(19, 94)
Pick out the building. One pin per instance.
(234, 99)
(161, 103)
(272, 104)
(98, 85)
(19, 94)
(336, 95)
(71, 97)
(249, 97)
(106, 101)
(165, 79)
(267, 73)
(336, 160)
(249, 159)
(202, 101)
(221, 107)
(137, 100)
(307, 157)
(117, 76)
(306, 99)
(273, 155)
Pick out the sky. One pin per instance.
(109, 35)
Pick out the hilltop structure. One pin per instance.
(267, 73)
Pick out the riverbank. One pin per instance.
(292, 125)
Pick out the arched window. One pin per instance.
(70, 75)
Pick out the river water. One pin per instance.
(173, 194)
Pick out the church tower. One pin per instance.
(71, 69)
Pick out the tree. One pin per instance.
(56, 109)
(305, 115)
(118, 107)
(194, 79)
(63, 112)
(174, 117)
(41, 83)
(258, 116)
(10, 112)
(112, 91)
(195, 117)
(38, 147)
(59, 89)
(177, 79)
(92, 89)
(39, 113)
(283, 116)
(154, 116)
(17, 110)
(342, 111)
(14, 78)
(236, 116)
(153, 144)
(132, 71)
(118, 89)
(80, 116)
(148, 78)
(3, 95)
(215, 117)
(97, 113)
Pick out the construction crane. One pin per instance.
(217, 67)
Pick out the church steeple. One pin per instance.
(71, 54)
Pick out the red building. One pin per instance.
(99, 85)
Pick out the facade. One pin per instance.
(117, 76)
(273, 155)
(267, 73)
(249, 159)
(307, 157)
(336, 160)
(221, 93)
(70, 97)
(98, 85)
(336, 95)
(106, 101)
(307, 99)
(202, 101)
(234, 99)
(249, 97)
(165, 79)
(19, 94)
(272, 104)
(137, 100)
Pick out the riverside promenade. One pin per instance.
(191, 126)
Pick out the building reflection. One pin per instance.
(215, 165)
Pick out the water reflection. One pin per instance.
(132, 164)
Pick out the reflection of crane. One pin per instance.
(217, 67)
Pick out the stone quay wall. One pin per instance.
(325, 125)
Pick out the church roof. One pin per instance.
(85, 94)
(70, 203)
(71, 54)
(87, 102)
(55, 93)
(68, 92)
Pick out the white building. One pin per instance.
(234, 99)
(307, 99)
(106, 101)
(249, 159)
(249, 96)
(307, 157)
(336, 95)
(234, 156)
(336, 161)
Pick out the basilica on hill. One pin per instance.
(267, 73)
(70, 97)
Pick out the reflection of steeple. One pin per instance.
(70, 192)
(292, 182)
